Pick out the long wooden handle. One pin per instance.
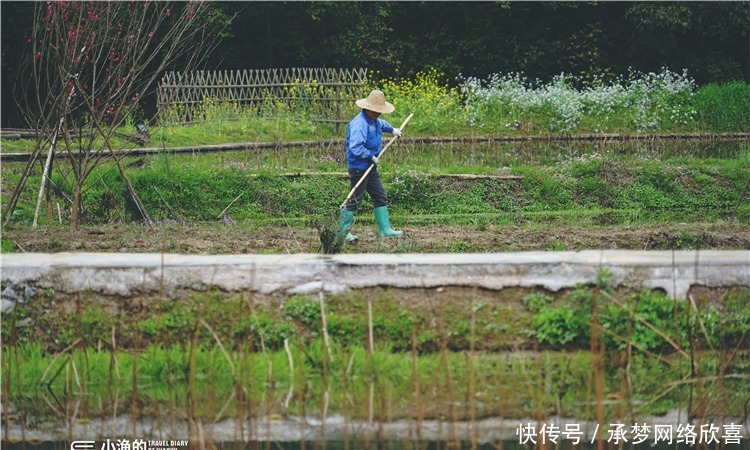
(367, 172)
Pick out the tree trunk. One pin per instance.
(74, 212)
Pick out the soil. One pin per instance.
(239, 239)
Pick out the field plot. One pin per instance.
(483, 196)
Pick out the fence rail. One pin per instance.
(320, 94)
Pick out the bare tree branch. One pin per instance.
(89, 64)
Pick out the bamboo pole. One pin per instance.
(47, 170)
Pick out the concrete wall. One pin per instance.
(125, 274)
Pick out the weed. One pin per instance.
(561, 326)
(304, 309)
(8, 246)
(536, 302)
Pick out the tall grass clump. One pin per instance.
(637, 102)
(724, 107)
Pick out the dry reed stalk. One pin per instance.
(301, 400)
(291, 374)
(700, 401)
(647, 324)
(416, 385)
(115, 404)
(472, 381)
(113, 354)
(270, 383)
(170, 393)
(539, 391)
(224, 407)
(75, 374)
(239, 429)
(162, 336)
(451, 390)
(703, 379)
(67, 349)
(627, 385)
(370, 413)
(134, 392)
(221, 347)
(374, 374)
(527, 378)
(345, 403)
(5, 392)
(597, 364)
(17, 361)
(662, 394)
(635, 346)
(192, 369)
(326, 340)
(370, 338)
(327, 358)
(251, 393)
(501, 409)
(723, 373)
(691, 300)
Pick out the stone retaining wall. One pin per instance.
(125, 274)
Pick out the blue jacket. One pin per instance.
(364, 139)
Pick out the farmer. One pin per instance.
(364, 138)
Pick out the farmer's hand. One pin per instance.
(397, 132)
(374, 160)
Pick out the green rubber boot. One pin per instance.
(384, 224)
(345, 224)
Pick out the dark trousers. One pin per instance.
(372, 185)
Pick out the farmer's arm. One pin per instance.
(388, 128)
(385, 126)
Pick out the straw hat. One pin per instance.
(376, 102)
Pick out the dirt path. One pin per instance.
(213, 239)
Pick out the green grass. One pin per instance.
(617, 185)
(502, 105)
(724, 107)
(219, 342)
(164, 378)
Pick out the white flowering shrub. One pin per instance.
(641, 102)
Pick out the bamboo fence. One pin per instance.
(319, 94)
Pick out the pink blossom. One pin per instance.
(38, 55)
